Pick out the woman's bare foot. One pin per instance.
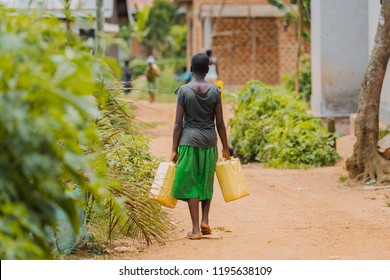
(205, 229)
(192, 236)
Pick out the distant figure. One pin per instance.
(151, 75)
(184, 76)
(126, 77)
(212, 75)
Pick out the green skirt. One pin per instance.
(195, 173)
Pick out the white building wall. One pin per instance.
(339, 55)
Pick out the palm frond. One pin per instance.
(129, 209)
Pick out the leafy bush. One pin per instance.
(46, 109)
(304, 79)
(275, 128)
(61, 127)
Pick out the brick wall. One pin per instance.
(253, 49)
(287, 48)
(246, 48)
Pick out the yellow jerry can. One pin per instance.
(162, 185)
(219, 83)
(231, 179)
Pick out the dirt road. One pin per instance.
(290, 214)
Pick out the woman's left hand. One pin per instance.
(174, 157)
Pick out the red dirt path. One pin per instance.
(290, 214)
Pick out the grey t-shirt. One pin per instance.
(199, 115)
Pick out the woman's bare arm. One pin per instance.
(221, 129)
(177, 131)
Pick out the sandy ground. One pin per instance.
(290, 214)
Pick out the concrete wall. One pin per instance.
(339, 55)
(384, 113)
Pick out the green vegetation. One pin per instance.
(161, 28)
(274, 128)
(60, 127)
(166, 29)
(45, 121)
(292, 15)
(383, 132)
(304, 79)
(131, 165)
(343, 179)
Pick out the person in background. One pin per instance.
(151, 75)
(212, 75)
(126, 77)
(194, 145)
(184, 76)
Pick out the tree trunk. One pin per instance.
(67, 15)
(99, 28)
(366, 163)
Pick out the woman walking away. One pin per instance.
(194, 147)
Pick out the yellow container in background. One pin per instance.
(220, 84)
(231, 179)
(163, 183)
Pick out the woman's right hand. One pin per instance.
(225, 153)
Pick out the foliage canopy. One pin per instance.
(161, 28)
(292, 14)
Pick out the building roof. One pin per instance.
(79, 7)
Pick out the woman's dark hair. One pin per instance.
(200, 63)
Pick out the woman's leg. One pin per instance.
(204, 225)
(205, 212)
(207, 160)
(151, 96)
(193, 205)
